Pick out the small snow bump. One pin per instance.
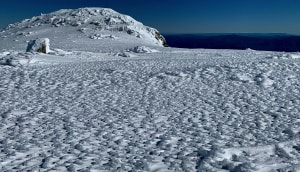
(142, 49)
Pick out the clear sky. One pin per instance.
(179, 16)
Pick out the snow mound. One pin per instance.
(132, 52)
(100, 36)
(14, 59)
(285, 56)
(124, 54)
(91, 21)
(142, 49)
(259, 158)
(295, 56)
(8, 61)
(60, 52)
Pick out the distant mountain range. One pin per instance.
(256, 41)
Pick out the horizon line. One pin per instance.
(232, 33)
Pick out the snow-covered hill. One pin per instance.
(101, 28)
(119, 102)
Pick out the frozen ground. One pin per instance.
(172, 110)
(123, 103)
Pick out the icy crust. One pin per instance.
(174, 110)
(97, 19)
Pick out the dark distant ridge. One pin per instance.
(241, 34)
(240, 41)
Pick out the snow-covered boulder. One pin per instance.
(41, 45)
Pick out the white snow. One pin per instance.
(84, 107)
(142, 49)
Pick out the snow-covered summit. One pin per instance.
(76, 17)
(77, 26)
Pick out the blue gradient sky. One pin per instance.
(178, 16)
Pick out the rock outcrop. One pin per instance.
(41, 45)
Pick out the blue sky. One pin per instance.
(178, 16)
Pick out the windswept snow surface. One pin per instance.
(171, 110)
(116, 100)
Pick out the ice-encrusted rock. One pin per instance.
(41, 45)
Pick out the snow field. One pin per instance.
(159, 114)
(109, 97)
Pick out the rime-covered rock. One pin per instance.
(41, 45)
